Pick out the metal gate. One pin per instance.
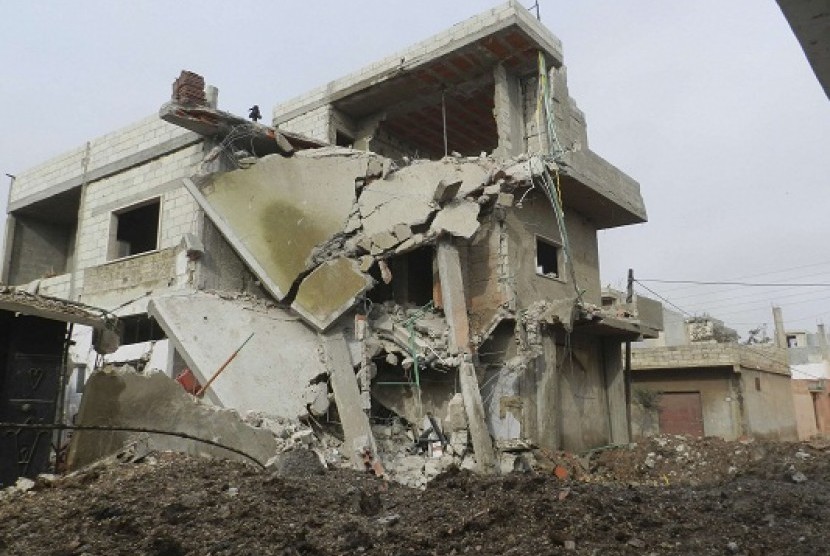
(30, 395)
(681, 413)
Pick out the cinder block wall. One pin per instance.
(314, 123)
(143, 161)
(159, 178)
(145, 134)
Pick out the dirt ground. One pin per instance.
(668, 495)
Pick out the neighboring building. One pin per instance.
(431, 275)
(810, 363)
(696, 379)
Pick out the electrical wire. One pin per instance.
(748, 284)
(749, 347)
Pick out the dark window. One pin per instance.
(547, 258)
(758, 383)
(343, 140)
(411, 279)
(139, 328)
(80, 378)
(136, 230)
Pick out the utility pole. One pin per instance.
(629, 299)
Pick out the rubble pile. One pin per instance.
(175, 505)
(672, 459)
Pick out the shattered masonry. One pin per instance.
(404, 282)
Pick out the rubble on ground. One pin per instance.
(168, 504)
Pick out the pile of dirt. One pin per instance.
(670, 459)
(171, 505)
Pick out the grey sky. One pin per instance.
(710, 105)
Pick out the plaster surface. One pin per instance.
(153, 400)
(270, 373)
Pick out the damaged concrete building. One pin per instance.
(415, 241)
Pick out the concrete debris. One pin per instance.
(288, 217)
(459, 218)
(329, 290)
(264, 376)
(446, 191)
(301, 462)
(123, 398)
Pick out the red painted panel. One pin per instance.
(681, 413)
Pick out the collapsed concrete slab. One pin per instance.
(329, 291)
(265, 376)
(275, 213)
(124, 398)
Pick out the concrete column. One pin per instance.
(455, 308)
(357, 432)
(507, 111)
(780, 334)
(615, 391)
(8, 242)
(548, 405)
(453, 297)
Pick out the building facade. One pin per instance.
(422, 228)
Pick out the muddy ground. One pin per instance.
(669, 495)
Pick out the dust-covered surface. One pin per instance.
(776, 500)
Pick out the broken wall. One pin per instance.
(488, 275)
(220, 268)
(123, 398)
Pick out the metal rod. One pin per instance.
(62, 426)
(201, 391)
(60, 405)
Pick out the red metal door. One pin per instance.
(681, 413)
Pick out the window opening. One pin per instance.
(547, 258)
(136, 230)
(343, 140)
(140, 328)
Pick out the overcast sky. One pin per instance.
(710, 105)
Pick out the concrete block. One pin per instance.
(459, 218)
(154, 401)
(277, 212)
(446, 191)
(330, 290)
(384, 240)
(270, 374)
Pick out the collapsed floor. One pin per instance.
(658, 497)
